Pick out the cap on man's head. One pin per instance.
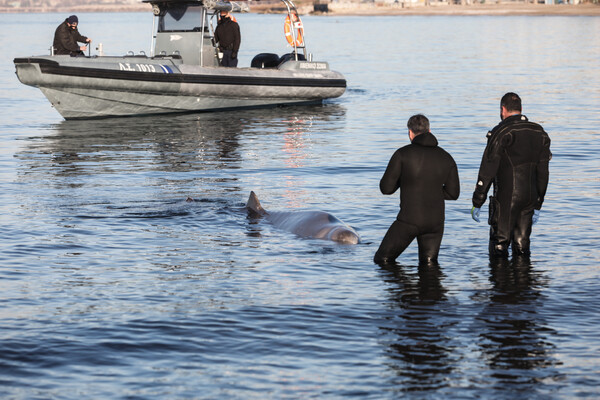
(73, 19)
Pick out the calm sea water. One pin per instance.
(113, 286)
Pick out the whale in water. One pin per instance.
(309, 224)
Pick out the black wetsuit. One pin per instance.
(65, 40)
(515, 160)
(426, 175)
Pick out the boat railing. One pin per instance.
(293, 18)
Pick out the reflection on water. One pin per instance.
(296, 142)
(421, 351)
(176, 144)
(297, 145)
(431, 338)
(514, 339)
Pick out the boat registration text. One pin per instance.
(313, 65)
(145, 68)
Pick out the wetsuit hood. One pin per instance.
(425, 139)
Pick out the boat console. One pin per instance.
(184, 28)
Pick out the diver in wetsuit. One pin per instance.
(516, 161)
(426, 176)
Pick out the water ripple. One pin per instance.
(112, 285)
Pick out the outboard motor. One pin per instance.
(291, 56)
(265, 60)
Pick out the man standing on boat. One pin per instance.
(227, 35)
(516, 161)
(66, 37)
(426, 176)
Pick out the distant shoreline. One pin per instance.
(480, 9)
(361, 9)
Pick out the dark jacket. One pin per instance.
(228, 35)
(65, 40)
(426, 175)
(516, 160)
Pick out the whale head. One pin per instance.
(344, 235)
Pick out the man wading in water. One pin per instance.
(516, 161)
(426, 176)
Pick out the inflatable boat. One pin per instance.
(183, 73)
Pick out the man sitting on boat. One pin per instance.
(228, 36)
(66, 37)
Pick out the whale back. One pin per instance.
(310, 224)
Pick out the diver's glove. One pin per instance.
(536, 216)
(475, 213)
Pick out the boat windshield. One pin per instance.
(181, 18)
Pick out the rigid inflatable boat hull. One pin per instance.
(92, 87)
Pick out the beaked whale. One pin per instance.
(310, 224)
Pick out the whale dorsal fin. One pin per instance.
(254, 205)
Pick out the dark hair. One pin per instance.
(418, 124)
(511, 101)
